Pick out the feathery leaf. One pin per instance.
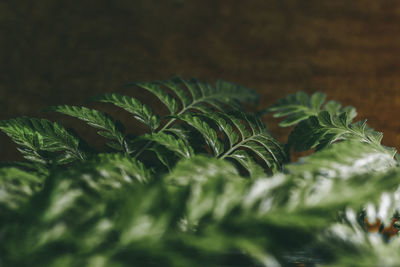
(325, 129)
(108, 126)
(298, 107)
(36, 136)
(171, 143)
(140, 111)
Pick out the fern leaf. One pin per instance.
(140, 111)
(174, 86)
(224, 126)
(344, 160)
(165, 156)
(244, 159)
(233, 91)
(202, 94)
(99, 178)
(222, 95)
(200, 169)
(325, 129)
(263, 153)
(35, 136)
(259, 141)
(298, 107)
(343, 241)
(164, 97)
(17, 186)
(209, 134)
(179, 132)
(215, 187)
(119, 166)
(171, 143)
(108, 126)
(337, 176)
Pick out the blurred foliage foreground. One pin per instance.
(206, 186)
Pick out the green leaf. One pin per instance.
(344, 160)
(208, 133)
(113, 210)
(259, 140)
(119, 166)
(36, 136)
(316, 100)
(171, 143)
(253, 136)
(299, 107)
(333, 107)
(200, 169)
(239, 122)
(140, 111)
(18, 185)
(174, 86)
(221, 96)
(233, 91)
(224, 126)
(110, 128)
(326, 129)
(163, 96)
(294, 119)
(244, 159)
(164, 155)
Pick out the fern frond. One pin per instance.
(209, 134)
(325, 129)
(215, 187)
(331, 178)
(108, 126)
(113, 210)
(344, 160)
(258, 140)
(17, 186)
(161, 94)
(202, 205)
(178, 146)
(164, 155)
(199, 169)
(348, 244)
(36, 136)
(118, 166)
(140, 111)
(100, 177)
(298, 107)
(174, 86)
(202, 94)
(243, 158)
(223, 125)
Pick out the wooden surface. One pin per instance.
(53, 52)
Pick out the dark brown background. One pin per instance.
(54, 52)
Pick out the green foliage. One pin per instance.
(256, 139)
(324, 129)
(298, 107)
(140, 111)
(206, 186)
(35, 137)
(176, 145)
(108, 126)
(19, 183)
